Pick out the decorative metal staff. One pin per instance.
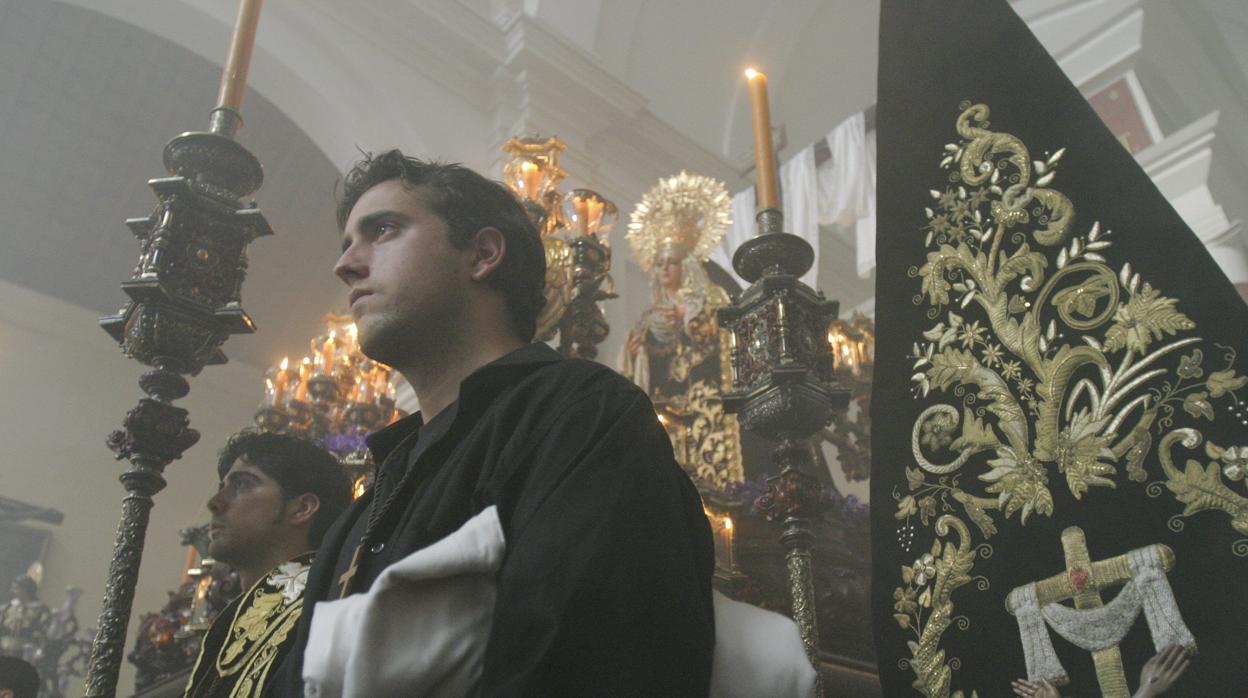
(782, 381)
(184, 303)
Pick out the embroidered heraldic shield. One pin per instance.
(1061, 437)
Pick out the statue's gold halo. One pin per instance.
(688, 212)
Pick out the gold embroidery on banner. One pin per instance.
(1056, 365)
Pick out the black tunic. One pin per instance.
(605, 587)
(251, 635)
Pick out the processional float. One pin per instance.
(184, 303)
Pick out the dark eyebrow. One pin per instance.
(239, 475)
(372, 219)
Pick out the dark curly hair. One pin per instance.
(18, 676)
(298, 466)
(466, 202)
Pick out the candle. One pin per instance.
(234, 77)
(192, 563)
(530, 177)
(593, 213)
(582, 215)
(353, 339)
(728, 534)
(328, 350)
(279, 385)
(764, 158)
(305, 371)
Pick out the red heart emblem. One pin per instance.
(1080, 579)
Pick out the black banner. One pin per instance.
(1059, 385)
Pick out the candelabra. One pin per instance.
(853, 354)
(184, 303)
(336, 396)
(783, 387)
(574, 233)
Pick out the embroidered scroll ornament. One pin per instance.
(1057, 361)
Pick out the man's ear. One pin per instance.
(302, 509)
(489, 247)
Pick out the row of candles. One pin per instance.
(335, 355)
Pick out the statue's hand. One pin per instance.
(633, 343)
(1160, 673)
(1034, 689)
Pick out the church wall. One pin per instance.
(66, 386)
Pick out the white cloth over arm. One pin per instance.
(421, 629)
(799, 191)
(758, 653)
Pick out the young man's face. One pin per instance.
(246, 512)
(407, 281)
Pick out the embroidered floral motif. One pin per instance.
(1064, 367)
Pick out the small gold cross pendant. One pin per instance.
(345, 580)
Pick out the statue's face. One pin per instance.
(667, 266)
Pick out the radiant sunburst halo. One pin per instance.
(687, 211)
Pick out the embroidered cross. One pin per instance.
(1083, 580)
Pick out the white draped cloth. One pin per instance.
(838, 192)
(743, 228)
(799, 187)
(421, 630)
(846, 184)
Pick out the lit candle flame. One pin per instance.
(285, 363)
(750, 73)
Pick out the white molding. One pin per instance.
(1063, 24)
(1179, 165)
(1141, 104)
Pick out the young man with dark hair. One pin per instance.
(546, 484)
(277, 497)
(18, 679)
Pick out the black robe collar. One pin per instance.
(476, 392)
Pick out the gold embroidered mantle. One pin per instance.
(249, 637)
(1048, 364)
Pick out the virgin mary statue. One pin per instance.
(676, 351)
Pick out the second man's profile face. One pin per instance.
(406, 279)
(246, 511)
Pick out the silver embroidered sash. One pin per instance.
(1100, 628)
